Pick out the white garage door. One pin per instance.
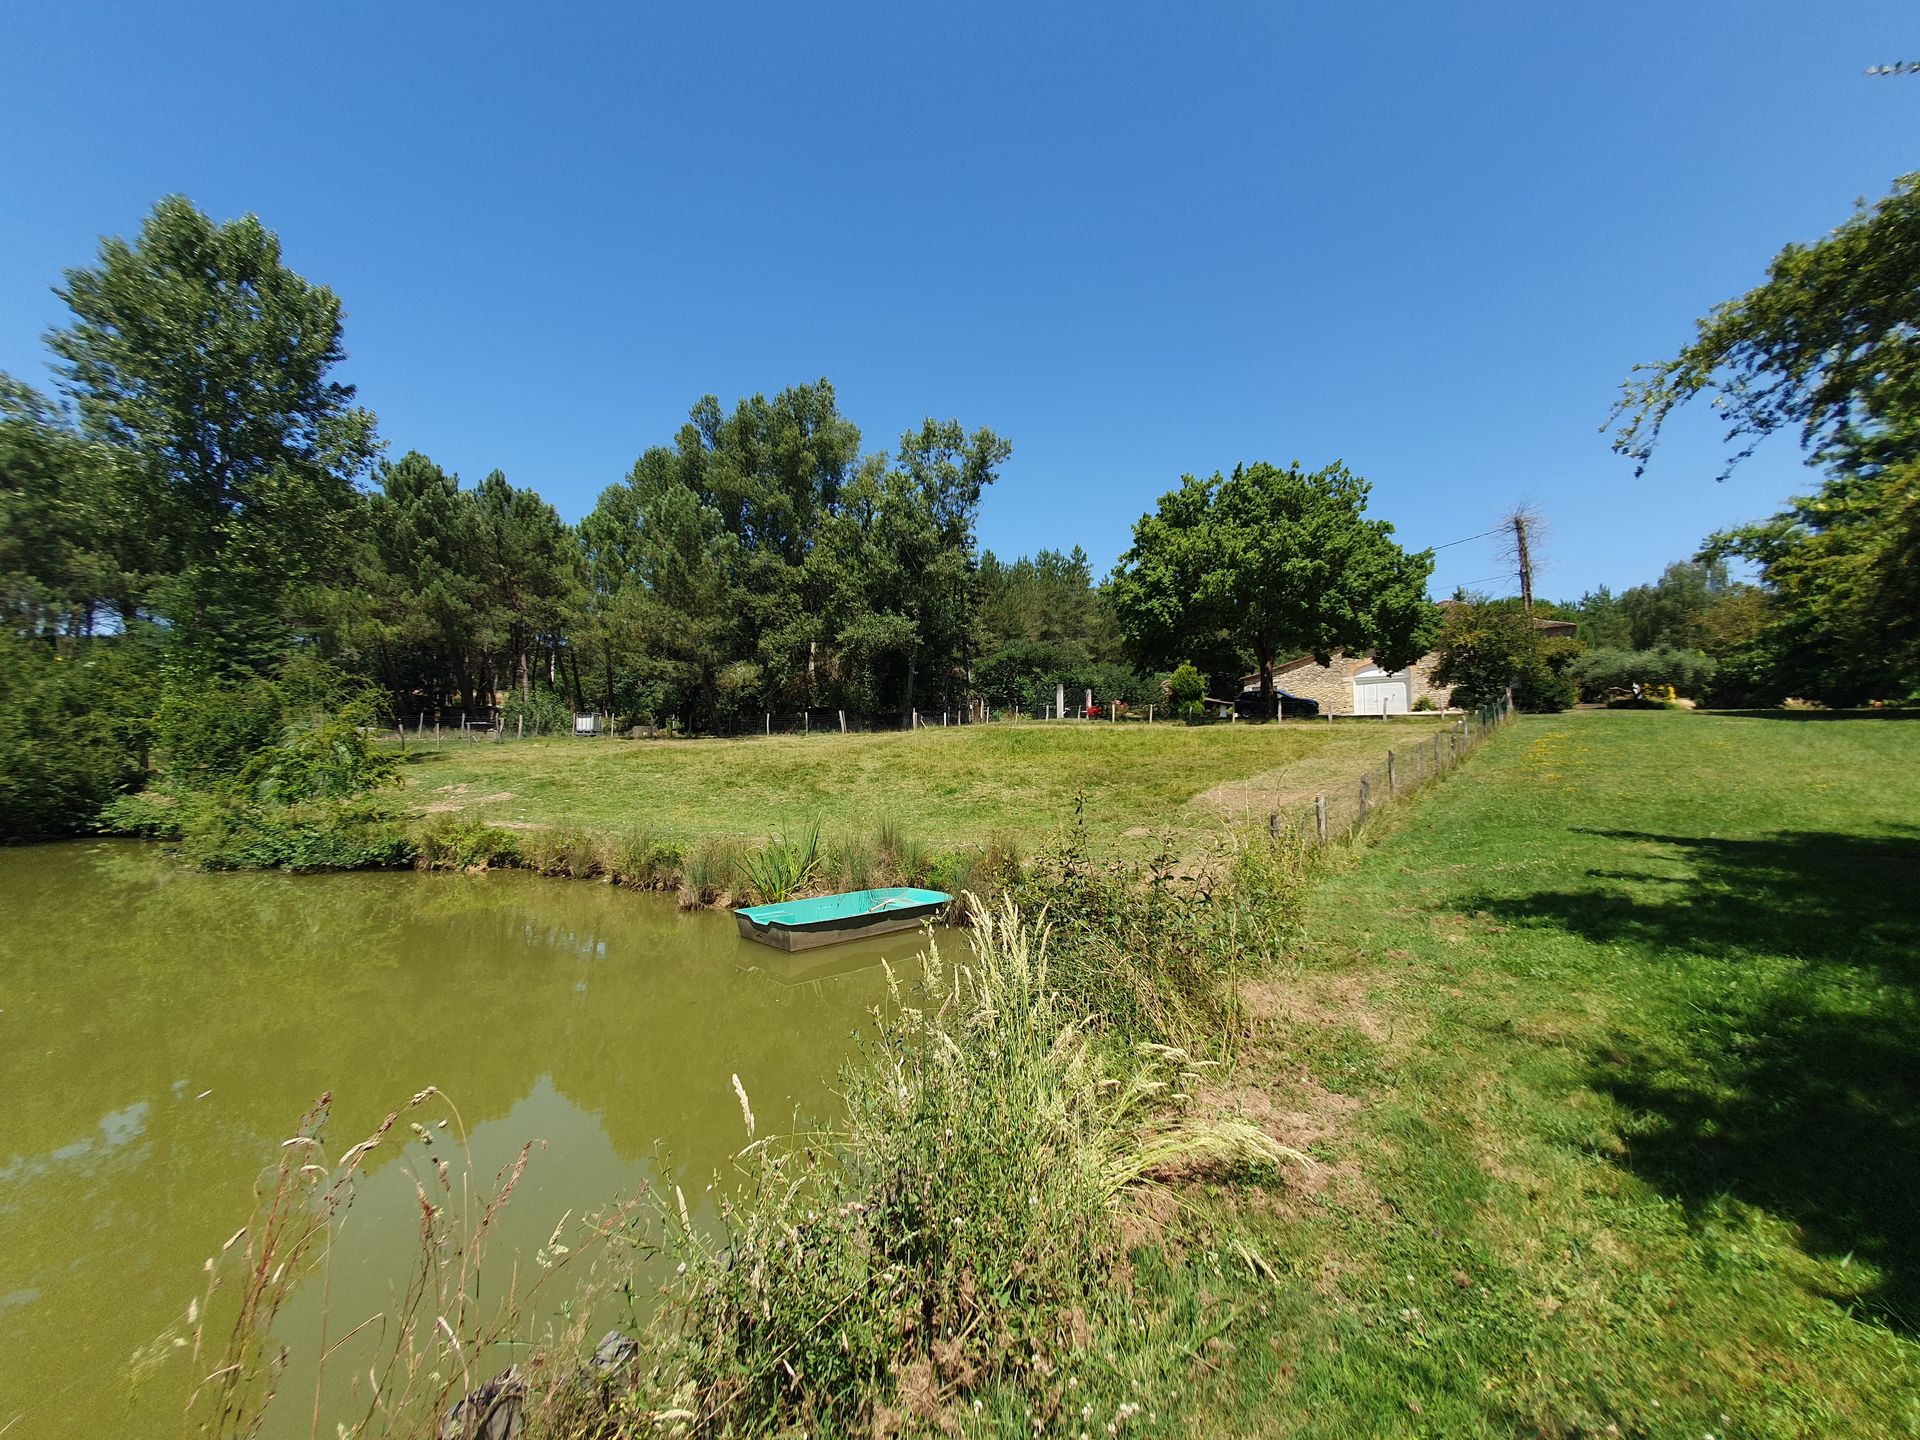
(1376, 692)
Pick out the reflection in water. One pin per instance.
(161, 1031)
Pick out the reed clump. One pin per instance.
(451, 842)
(784, 866)
(641, 859)
(956, 1237)
(711, 871)
(1156, 952)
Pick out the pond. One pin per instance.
(162, 1031)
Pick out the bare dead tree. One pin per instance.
(1527, 527)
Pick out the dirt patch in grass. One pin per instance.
(1337, 998)
(1258, 795)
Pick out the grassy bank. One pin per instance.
(1609, 1058)
(949, 788)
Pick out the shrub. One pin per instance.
(543, 711)
(1425, 703)
(1187, 691)
(353, 834)
(329, 761)
(1487, 648)
(449, 842)
(72, 735)
(148, 814)
(1689, 672)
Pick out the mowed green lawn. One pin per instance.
(1612, 1050)
(945, 787)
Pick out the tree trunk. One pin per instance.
(579, 700)
(1268, 706)
(712, 698)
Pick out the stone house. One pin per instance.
(1355, 685)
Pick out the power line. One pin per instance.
(1487, 579)
(1469, 540)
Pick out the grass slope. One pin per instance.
(947, 787)
(1612, 1052)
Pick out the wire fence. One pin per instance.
(1340, 811)
(492, 725)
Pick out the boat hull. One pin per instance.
(792, 927)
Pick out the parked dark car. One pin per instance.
(1292, 707)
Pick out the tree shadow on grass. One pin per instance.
(1788, 1076)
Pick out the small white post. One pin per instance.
(1149, 712)
(843, 721)
(1060, 701)
(806, 725)
(769, 722)
(520, 727)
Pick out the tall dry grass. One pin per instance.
(956, 1235)
(439, 1341)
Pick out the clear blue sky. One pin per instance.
(1429, 240)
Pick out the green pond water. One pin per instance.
(162, 1031)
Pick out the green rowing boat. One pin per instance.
(831, 919)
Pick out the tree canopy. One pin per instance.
(1830, 344)
(205, 363)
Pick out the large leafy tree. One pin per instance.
(207, 365)
(1829, 346)
(1267, 564)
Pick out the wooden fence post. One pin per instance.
(1320, 817)
(1390, 776)
(1273, 826)
(1363, 799)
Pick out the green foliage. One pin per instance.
(330, 760)
(63, 533)
(1048, 602)
(452, 842)
(540, 711)
(207, 733)
(1425, 704)
(1271, 564)
(1842, 571)
(1830, 345)
(148, 814)
(1827, 345)
(1690, 672)
(73, 733)
(358, 833)
(1186, 687)
(241, 499)
(1487, 649)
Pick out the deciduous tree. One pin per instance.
(1268, 564)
